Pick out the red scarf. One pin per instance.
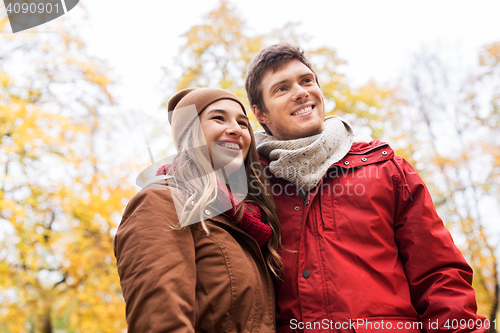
(251, 221)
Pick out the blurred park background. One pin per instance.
(80, 97)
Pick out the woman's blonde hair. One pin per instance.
(197, 182)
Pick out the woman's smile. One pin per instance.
(226, 130)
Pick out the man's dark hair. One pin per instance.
(271, 58)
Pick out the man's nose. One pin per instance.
(299, 93)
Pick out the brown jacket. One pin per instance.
(185, 280)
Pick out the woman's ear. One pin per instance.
(260, 115)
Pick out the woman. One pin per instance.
(181, 276)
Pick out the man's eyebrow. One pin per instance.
(225, 113)
(301, 76)
(306, 74)
(277, 84)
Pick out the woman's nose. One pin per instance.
(234, 128)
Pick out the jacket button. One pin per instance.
(364, 159)
(306, 273)
(346, 162)
(207, 212)
(307, 203)
(297, 207)
(384, 153)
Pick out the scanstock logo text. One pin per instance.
(26, 14)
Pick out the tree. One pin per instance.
(59, 203)
(217, 53)
(451, 119)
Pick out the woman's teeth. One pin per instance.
(304, 110)
(230, 145)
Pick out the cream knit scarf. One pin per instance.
(303, 162)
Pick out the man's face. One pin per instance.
(294, 102)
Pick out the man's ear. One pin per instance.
(260, 115)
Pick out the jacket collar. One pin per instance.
(363, 153)
(360, 154)
(373, 151)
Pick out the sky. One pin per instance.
(376, 38)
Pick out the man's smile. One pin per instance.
(304, 111)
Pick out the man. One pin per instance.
(363, 246)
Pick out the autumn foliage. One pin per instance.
(61, 199)
(58, 208)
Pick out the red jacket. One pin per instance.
(369, 252)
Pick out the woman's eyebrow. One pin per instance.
(243, 116)
(217, 110)
(225, 113)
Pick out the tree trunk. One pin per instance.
(45, 322)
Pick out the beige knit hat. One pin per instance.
(189, 103)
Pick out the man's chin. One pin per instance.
(300, 134)
(316, 131)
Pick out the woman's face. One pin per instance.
(227, 133)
